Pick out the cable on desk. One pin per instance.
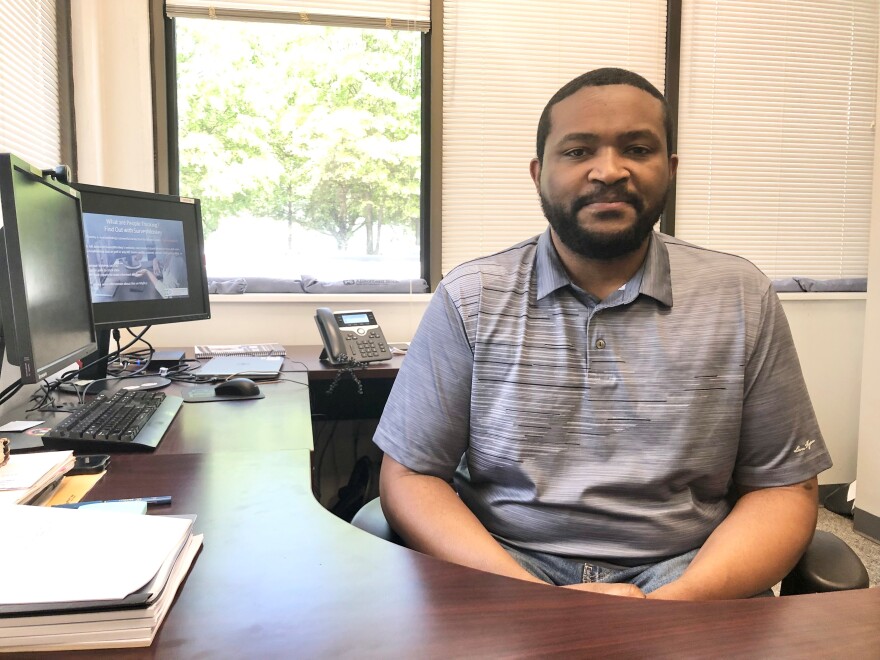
(109, 358)
(305, 368)
(10, 391)
(282, 380)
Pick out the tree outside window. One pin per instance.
(304, 145)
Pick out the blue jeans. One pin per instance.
(566, 570)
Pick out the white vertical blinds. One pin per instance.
(502, 61)
(30, 119)
(776, 133)
(392, 14)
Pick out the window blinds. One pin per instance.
(392, 14)
(502, 61)
(30, 124)
(776, 132)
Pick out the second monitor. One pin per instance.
(145, 254)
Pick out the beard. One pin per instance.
(599, 245)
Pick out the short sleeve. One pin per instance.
(426, 421)
(780, 440)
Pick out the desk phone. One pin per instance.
(351, 335)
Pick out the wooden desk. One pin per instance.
(279, 576)
(279, 421)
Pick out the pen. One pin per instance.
(151, 501)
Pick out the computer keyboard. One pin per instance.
(132, 420)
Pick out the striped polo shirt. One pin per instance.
(611, 430)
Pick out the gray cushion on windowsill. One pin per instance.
(364, 285)
(227, 286)
(838, 284)
(808, 284)
(235, 285)
(787, 285)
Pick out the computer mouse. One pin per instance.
(237, 387)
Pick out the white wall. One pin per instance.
(828, 333)
(868, 497)
(288, 318)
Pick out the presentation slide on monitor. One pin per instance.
(135, 258)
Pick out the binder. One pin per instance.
(117, 582)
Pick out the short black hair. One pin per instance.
(600, 78)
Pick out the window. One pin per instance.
(775, 122)
(29, 82)
(776, 132)
(502, 62)
(304, 143)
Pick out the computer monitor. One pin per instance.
(146, 265)
(45, 306)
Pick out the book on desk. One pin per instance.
(81, 579)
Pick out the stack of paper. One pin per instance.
(25, 476)
(80, 579)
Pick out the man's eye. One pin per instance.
(576, 153)
(639, 150)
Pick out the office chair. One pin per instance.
(829, 564)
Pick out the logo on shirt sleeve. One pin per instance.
(804, 447)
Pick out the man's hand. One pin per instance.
(611, 589)
(753, 548)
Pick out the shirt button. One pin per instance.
(600, 344)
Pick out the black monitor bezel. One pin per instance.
(196, 306)
(14, 304)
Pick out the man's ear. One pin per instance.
(535, 171)
(673, 165)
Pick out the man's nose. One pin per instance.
(608, 167)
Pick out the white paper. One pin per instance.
(18, 427)
(25, 470)
(98, 629)
(54, 555)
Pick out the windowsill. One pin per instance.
(823, 295)
(333, 298)
(311, 298)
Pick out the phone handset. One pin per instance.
(351, 336)
(331, 336)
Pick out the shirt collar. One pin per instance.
(657, 274)
(551, 272)
(653, 279)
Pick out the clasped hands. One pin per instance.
(611, 589)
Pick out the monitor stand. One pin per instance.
(98, 371)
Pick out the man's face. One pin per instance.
(606, 171)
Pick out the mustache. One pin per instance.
(608, 195)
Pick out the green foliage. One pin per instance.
(307, 125)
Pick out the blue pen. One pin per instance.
(151, 501)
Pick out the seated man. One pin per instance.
(602, 406)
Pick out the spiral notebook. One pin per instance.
(252, 350)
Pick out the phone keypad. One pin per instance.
(372, 346)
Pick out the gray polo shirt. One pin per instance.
(610, 430)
